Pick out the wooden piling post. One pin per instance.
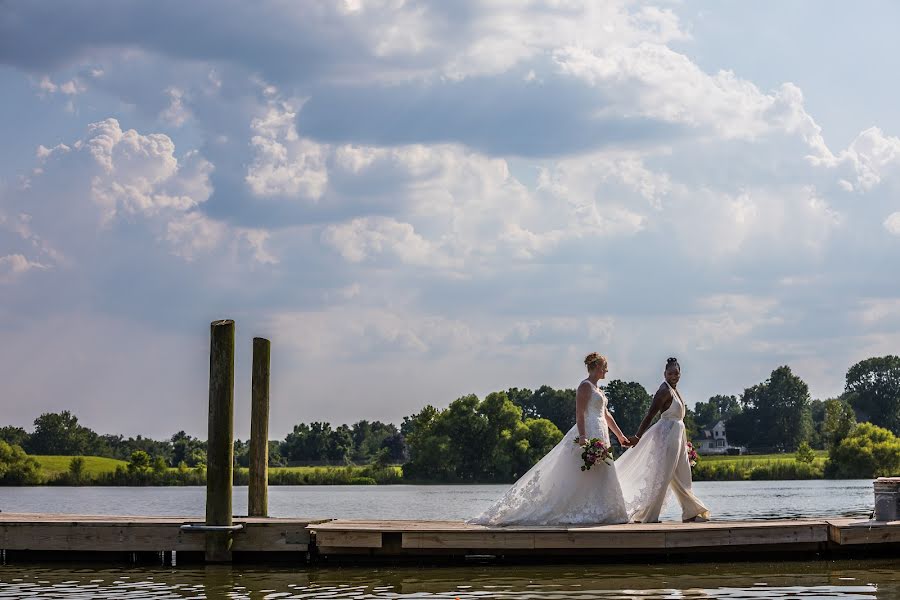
(220, 450)
(258, 501)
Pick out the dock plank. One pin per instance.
(850, 532)
(117, 533)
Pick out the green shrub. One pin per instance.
(804, 454)
(868, 451)
(363, 481)
(16, 467)
(76, 469)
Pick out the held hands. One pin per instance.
(625, 442)
(633, 440)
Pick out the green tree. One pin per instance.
(543, 435)
(187, 448)
(429, 447)
(873, 390)
(370, 438)
(16, 467)
(339, 445)
(817, 416)
(76, 469)
(474, 440)
(804, 454)
(779, 411)
(59, 433)
(14, 436)
(839, 421)
(742, 429)
(523, 398)
(717, 408)
(628, 403)
(275, 457)
(556, 405)
(470, 448)
(139, 462)
(868, 451)
(159, 465)
(241, 453)
(396, 446)
(315, 442)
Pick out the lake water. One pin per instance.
(759, 581)
(728, 500)
(858, 579)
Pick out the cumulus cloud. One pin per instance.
(892, 223)
(285, 164)
(13, 265)
(870, 158)
(115, 178)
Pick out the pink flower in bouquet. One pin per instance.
(593, 452)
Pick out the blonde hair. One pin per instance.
(593, 359)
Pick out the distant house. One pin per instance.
(712, 440)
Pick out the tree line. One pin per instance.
(500, 437)
(313, 443)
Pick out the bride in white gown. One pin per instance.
(659, 461)
(555, 490)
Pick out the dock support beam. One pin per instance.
(220, 451)
(258, 500)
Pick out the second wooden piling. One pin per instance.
(258, 491)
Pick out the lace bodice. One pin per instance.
(676, 410)
(595, 415)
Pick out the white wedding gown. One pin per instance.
(658, 462)
(555, 491)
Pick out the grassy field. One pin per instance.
(821, 455)
(51, 466)
(759, 467)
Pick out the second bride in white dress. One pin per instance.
(555, 491)
(658, 462)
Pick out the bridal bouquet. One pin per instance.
(594, 451)
(693, 457)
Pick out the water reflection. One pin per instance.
(843, 579)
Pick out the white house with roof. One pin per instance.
(712, 440)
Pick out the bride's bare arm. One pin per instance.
(582, 397)
(659, 401)
(611, 423)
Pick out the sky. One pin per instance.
(416, 200)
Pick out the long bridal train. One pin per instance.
(555, 491)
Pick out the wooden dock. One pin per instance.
(75, 538)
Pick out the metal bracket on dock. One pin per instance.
(200, 528)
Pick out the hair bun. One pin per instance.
(594, 358)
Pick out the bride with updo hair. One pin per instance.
(555, 491)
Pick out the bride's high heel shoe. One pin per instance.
(697, 519)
